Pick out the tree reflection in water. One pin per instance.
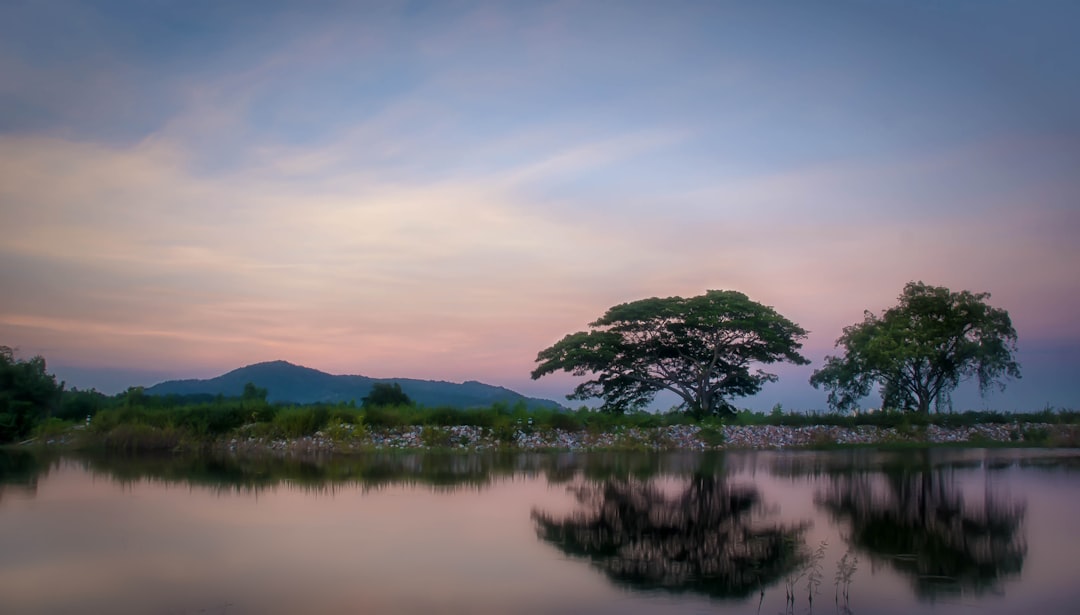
(20, 471)
(918, 522)
(712, 538)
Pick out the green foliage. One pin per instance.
(209, 420)
(76, 405)
(340, 431)
(1035, 435)
(253, 395)
(702, 349)
(387, 416)
(712, 435)
(300, 422)
(565, 421)
(348, 415)
(919, 351)
(27, 394)
(386, 394)
(436, 437)
(52, 427)
(201, 421)
(143, 438)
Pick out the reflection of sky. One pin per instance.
(441, 190)
(145, 547)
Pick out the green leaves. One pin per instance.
(700, 348)
(27, 391)
(920, 350)
(385, 394)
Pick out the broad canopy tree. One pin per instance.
(703, 349)
(919, 351)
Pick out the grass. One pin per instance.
(157, 425)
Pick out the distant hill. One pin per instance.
(297, 384)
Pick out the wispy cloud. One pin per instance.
(442, 193)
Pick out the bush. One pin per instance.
(344, 414)
(565, 421)
(443, 416)
(712, 435)
(1035, 435)
(300, 422)
(52, 427)
(385, 417)
(77, 405)
(436, 437)
(209, 420)
(136, 438)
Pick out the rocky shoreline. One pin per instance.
(346, 439)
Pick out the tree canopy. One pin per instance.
(703, 349)
(920, 350)
(27, 393)
(386, 394)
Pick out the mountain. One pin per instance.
(297, 384)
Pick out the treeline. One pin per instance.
(34, 406)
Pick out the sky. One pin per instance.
(440, 190)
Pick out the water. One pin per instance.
(969, 531)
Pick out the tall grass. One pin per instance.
(158, 425)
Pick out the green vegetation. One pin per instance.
(701, 348)
(921, 350)
(705, 349)
(385, 394)
(134, 422)
(27, 394)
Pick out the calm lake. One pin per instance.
(939, 531)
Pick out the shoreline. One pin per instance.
(345, 439)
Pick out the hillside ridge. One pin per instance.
(287, 382)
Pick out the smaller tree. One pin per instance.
(386, 394)
(27, 393)
(253, 395)
(919, 351)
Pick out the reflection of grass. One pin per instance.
(809, 569)
(845, 572)
(377, 470)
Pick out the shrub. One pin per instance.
(443, 416)
(565, 421)
(52, 427)
(209, 420)
(136, 437)
(341, 414)
(436, 437)
(1035, 435)
(384, 416)
(299, 422)
(339, 431)
(712, 435)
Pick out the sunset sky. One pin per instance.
(442, 189)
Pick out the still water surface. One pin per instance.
(969, 531)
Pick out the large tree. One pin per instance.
(919, 351)
(703, 349)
